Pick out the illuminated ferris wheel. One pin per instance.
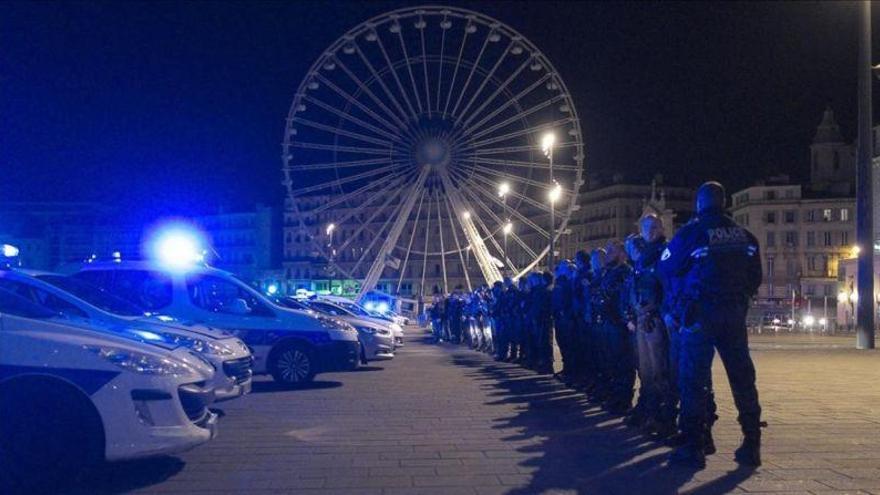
(435, 134)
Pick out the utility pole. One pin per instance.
(864, 207)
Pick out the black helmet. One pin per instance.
(710, 196)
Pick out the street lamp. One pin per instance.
(507, 229)
(503, 189)
(554, 195)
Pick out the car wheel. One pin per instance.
(293, 364)
(49, 435)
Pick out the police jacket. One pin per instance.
(612, 300)
(713, 258)
(561, 298)
(647, 285)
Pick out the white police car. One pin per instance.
(290, 345)
(377, 341)
(364, 313)
(71, 397)
(80, 300)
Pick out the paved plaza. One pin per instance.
(445, 420)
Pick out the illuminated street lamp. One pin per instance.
(503, 189)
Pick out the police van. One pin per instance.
(79, 300)
(292, 346)
(71, 397)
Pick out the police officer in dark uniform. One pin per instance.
(499, 324)
(719, 267)
(580, 288)
(620, 365)
(563, 318)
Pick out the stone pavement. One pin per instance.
(445, 420)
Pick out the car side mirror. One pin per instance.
(239, 307)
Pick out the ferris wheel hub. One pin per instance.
(433, 151)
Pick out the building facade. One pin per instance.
(804, 231)
(247, 243)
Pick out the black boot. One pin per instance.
(708, 443)
(749, 453)
(692, 453)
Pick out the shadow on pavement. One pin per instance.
(578, 447)
(363, 368)
(121, 477)
(271, 386)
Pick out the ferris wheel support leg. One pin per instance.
(393, 234)
(490, 271)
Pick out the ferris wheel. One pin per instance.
(436, 134)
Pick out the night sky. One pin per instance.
(179, 107)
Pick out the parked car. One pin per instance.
(77, 299)
(72, 396)
(292, 346)
(377, 341)
(364, 313)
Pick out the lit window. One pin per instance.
(826, 215)
(844, 215)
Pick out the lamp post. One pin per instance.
(507, 229)
(555, 194)
(547, 143)
(330, 272)
(864, 207)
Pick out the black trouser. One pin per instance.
(721, 325)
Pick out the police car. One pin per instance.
(377, 341)
(292, 346)
(80, 300)
(366, 314)
(71, 396)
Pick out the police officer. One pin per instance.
(600, 375)
(499, 324)
(720, 270)
(563, 318)
(620, 360)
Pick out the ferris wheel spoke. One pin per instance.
(340, 199)
(341, 132)
(348, 149)
(524, 198)
(442, 246)
(346, 180)
(425, 248)
(529, 131)
(457, 65)
(522, 164)
(509, 209)
(354, 120)
(398, 126)
(514, 149)
(389, 186)
(486, 80)
(502, 87)
(394, 74)
(489, 233)
(411, 239)
(504, 106)
(518, 116)
(400, 117)
(517, 178)
(425, 67)
(470, 76)
(376, 212)
(372, 243)
(458, 249)
(412, 78)
(440, 62)
(342, 164)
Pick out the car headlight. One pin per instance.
(208, 347)
(367, 330)
(141, 363)
(397, 328)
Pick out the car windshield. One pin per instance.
(354, 308)
(93, 295)
(290, 303)
(13, 304)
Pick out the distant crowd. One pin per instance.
(642, 308)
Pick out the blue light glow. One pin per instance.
(272, 289)
(382, 307)
(178, 248)
(9, 251)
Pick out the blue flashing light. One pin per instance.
(9, 251)
(272, 289)
(370, 306)
(382, 307)
(178, 248)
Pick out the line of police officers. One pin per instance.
(643, 308)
